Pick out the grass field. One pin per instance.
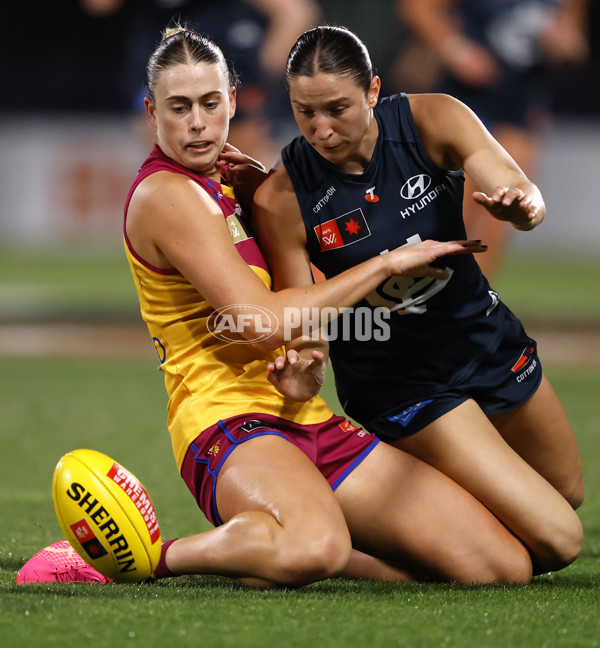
(51, 406)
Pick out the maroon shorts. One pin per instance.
(335, 446)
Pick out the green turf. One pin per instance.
(551, 286)
(49, 407)
(65, 283)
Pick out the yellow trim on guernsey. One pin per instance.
(206, 378)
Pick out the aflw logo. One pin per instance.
(415, 186)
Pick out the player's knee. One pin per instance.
(315, 558)
(515, 569)
(574, 493)
(512, 566)
(558, 545)
(329, 556)
(569, 483)
(565, 545)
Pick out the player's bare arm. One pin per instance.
(455, 138)
(277, 224)
(173, 223)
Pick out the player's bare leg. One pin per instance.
(283, 524)
(464, 445)
(367, 567)
(425, 526)
(540, 432)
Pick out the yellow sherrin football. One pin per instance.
(107, 515)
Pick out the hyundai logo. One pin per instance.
(415, 186)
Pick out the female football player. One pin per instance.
(457, 383)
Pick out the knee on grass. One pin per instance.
(290, 555)
(309, 559)
(574, 493)
(516, 569)
(511, 567)
(560, 546)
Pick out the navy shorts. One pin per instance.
(501, 382)
(336, 447)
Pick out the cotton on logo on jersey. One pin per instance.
(526, 364)
(317, 208)
(343, 230)
(524, 359)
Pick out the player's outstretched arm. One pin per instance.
(414, 260)
(455, 138)
(278, 225)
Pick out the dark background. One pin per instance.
(54, 57)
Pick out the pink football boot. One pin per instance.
(59, 563)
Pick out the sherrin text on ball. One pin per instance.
(106, 515)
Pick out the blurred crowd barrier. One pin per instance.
(568, 179)
(63, 181)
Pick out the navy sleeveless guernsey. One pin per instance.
(438, 331)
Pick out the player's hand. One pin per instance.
(298, 376)
(243, 173)
(414, 260)
(525, 209)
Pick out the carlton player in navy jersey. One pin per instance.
(455, 380)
